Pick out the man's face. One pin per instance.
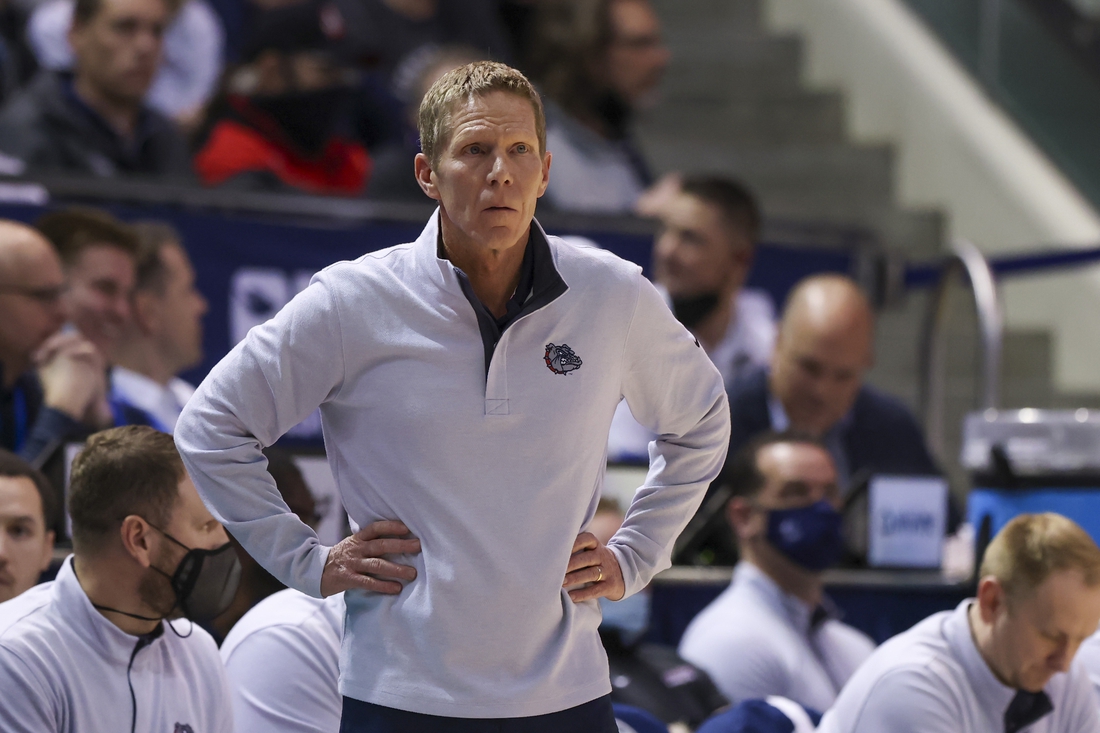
(119, 49)
(179, 330)
(817, 373)
(25, 544)
(490, 174)
(1037, 635)
(696, 252)
(97, 300)
(796, 475)
(637, 57)
(30, 301)
(192, 525)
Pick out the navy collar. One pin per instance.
(143, 130)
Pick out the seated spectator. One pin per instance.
(393, 178)
(94, 121)
(770, 632)
(53, 384)
(190, 67)
(999, 663)
(824, 348)
(279, 124)
(27, 512)
(17, 62)
(647, 675)
(701, 259)
(164, 335)
(597, 62)
(90, 649)
(99, 255)
(282, 658)
(256, 583)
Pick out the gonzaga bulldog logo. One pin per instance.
(561, 359)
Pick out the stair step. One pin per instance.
(803, 119)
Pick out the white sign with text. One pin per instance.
(908, 520)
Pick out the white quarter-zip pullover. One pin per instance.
(495, 470)
(64, 668)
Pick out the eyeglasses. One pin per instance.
(47, 295)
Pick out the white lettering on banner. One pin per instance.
(256, 294)
(907, 522)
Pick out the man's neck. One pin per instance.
(712, 330)
(494, 273)
(121, 116)
(791, 579)
(106, 587)
(982, 635)
(138, 355)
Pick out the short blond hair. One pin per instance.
(1032, 547)
(462, 84)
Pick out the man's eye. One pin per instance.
(474, 150)
(522, 148)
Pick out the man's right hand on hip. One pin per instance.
(358, 561)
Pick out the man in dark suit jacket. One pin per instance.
(815, 386)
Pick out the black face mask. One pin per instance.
(205, 581)
(691, 310)
(308, 119)
(615, 113)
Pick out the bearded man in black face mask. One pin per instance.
(701, 259)
(93, 650)
(771, 632)
(278, 124)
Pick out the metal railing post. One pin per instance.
(966, 260)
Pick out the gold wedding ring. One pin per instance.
(600, 576)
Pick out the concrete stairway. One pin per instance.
(733, 102)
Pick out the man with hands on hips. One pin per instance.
(466, 383)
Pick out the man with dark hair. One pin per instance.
(98, 253)
(164, 334)
(599, 62)
(53, 384)
(771, 633)
(283, 121)
(94, 120)
(701, 259)
(28, 511)
(90, 651)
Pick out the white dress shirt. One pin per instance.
(748, 343)
(933, 679)
(64, 668)
(162, 403)
(282, 659)
(754, 641)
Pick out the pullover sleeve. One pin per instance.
(279, 374)
(673, 389)
(27, 706)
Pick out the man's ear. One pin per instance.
(47, 551)
(146, 311)
(136, 533)
(423, 169)
(991, 598)
(739, 515)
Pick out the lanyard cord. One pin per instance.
(143, 641)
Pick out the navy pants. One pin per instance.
(363, 717)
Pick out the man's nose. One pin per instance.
(501, 172)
